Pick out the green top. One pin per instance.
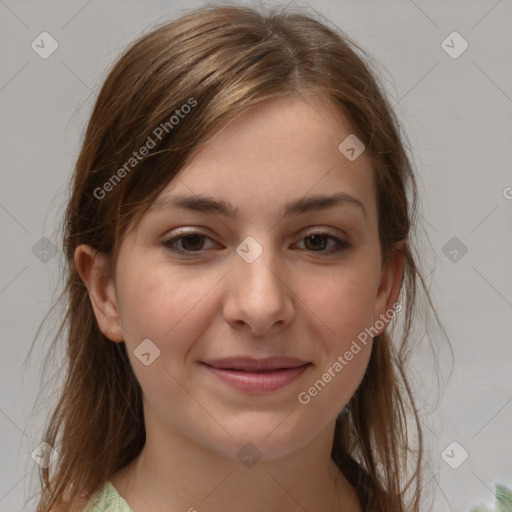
(107, 500)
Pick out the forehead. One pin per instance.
(280, 150)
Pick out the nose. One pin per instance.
(259, 298)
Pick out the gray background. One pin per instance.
(457, 114)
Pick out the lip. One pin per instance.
(252, 363)
(257, 375)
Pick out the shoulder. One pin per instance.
(107, 499)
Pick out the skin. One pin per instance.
(293, 300)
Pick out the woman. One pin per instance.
(238, 244)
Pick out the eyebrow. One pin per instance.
(298, 206)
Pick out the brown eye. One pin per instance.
(190, 243)
(317, 242)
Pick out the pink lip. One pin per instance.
(248, 363)
(257, 375)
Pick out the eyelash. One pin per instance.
(168, 244)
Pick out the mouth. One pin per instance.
(257, 375)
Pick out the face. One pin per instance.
(255, 307)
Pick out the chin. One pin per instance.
(269, 437)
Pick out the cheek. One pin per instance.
(345, 304)
(169, 308)
(172, 310)
(332, 386)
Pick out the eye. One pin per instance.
(193, 242)
(317, 241)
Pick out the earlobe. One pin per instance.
(91, 266)
(389, 287)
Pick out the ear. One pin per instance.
(389, 289)
(91, 266)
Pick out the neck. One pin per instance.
(175, 473)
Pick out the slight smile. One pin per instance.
(257, 375)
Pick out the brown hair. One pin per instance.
(226, 59)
